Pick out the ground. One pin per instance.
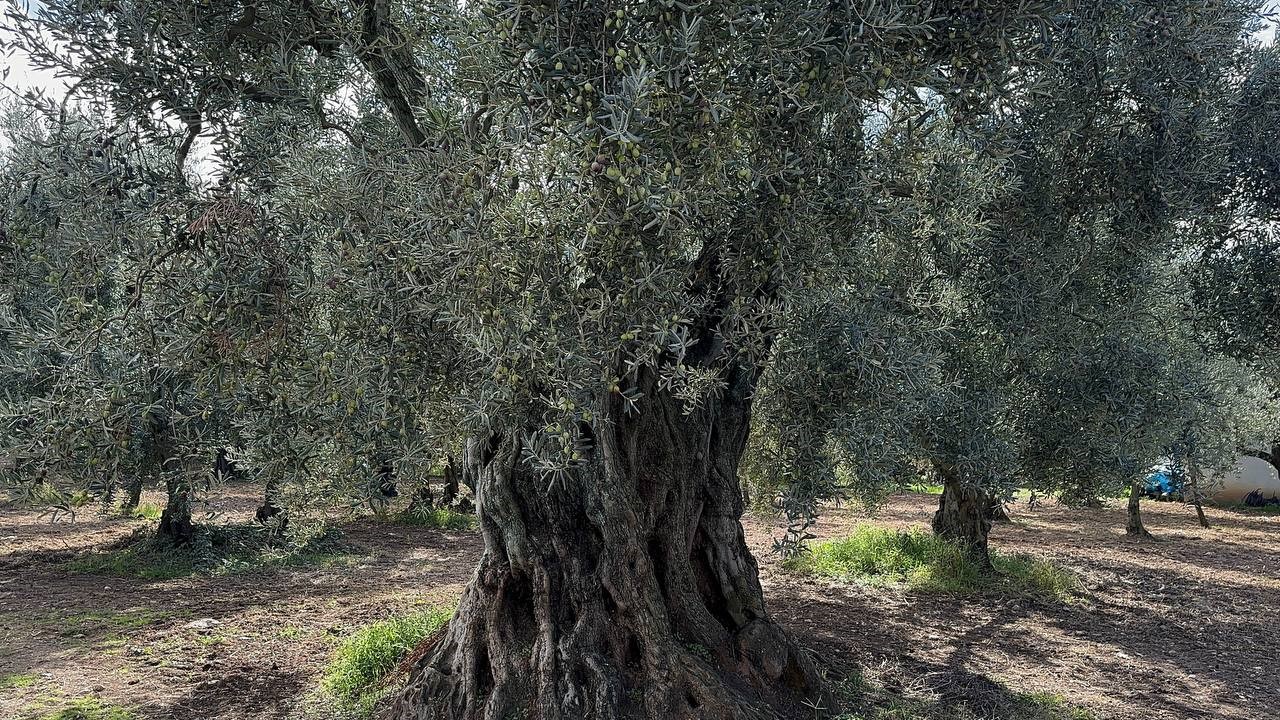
(1177, 629)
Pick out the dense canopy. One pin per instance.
(628, 266)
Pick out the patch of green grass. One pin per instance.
(80, 709)
(438, 518)
(17, 680)
(211, 639)
(146, 511)
(1049, 706)
(924, 562)
(356, 675)
(146, 561)
(1264, 510)
(925, 488)
(290, 632)
(218, 550)
(99, 620)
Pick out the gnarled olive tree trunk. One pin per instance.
(963, 516)
(625, 592)
(175, 522)
(134, 498)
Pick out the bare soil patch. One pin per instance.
(1177, 629)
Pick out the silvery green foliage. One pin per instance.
(1064, 353)
(82, 211)
(572, 164)
(1235, 278)
(487, 215)
(1106, 328)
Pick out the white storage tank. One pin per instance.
(1249, 474)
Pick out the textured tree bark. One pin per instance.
(1193, 486)
(269, 509)
(449, 492)
(134, 498)
(626, 591)
(963, 517)
(175, 522)
(1133, 525)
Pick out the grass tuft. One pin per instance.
(438, 518)
(219, 550)
(88, 709)
(17, 680)
(924, 562)
(1264, 510)
(145, 511)
(358, 672)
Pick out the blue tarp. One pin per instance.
(1162, 483)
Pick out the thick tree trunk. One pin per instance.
(1134, 524)
(451, 482)
(175, 522)
(134, 498)
(270, 510)
(962, 517)
(623, 591)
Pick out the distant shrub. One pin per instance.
(439, 518)
(217, 550)
(89, 709)
(17, 680)
(924, 562)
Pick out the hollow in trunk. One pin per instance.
(995, 509)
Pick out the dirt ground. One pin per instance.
(1177, 629)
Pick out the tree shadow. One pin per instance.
(242, 692)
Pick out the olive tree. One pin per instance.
(1119, 170)
(609, 211)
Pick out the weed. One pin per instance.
(290, 632)
(17, 680)
(361, 664)
(221, 550)
(439, 518)
(924, 562)
(77, 709)
(145, 511)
